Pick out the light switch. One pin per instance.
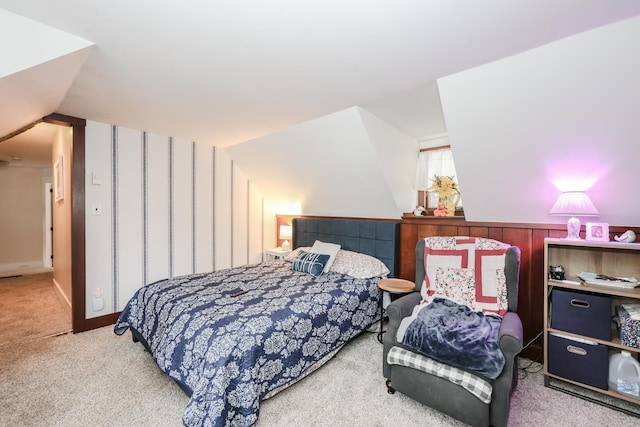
(95, 179)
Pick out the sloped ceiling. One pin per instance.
(38, 67)
(224, 72)
(558, 118)
(349, 163)
(32, 148)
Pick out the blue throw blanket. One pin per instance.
(454, 334)
(234, 337)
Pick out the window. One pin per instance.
(436, 161)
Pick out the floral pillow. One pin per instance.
(358, 265)
(456, 284)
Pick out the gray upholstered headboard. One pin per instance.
(377, 238)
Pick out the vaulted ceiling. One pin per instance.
(224, 72)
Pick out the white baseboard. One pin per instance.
(23, 268)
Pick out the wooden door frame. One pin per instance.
(79, 322)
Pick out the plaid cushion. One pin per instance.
(477, 386)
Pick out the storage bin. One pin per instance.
(581, 313)
(628, 328)
(578, 360)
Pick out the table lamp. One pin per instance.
(573, 204)
(285, 234)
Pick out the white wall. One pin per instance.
(349, 163)
(168, 207)
(21, 225)
(524, 127)
(61, 210)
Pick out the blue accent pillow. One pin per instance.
(311, 263)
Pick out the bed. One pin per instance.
(232, 338)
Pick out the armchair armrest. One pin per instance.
(398, 310)
(510, 335)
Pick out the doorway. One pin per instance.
(75, 197)
(25, 171)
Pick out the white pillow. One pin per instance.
(330, 249)
(358, 265)
(294, 253)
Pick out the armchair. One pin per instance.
(458, 391)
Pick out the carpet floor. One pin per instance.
(96, 378)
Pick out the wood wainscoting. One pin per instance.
(528, 237)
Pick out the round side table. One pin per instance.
(396, 287)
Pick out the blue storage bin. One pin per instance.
(581, 313)
(578, 361)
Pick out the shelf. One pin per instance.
(608, 398)
(593, 244)
(607, 258)
(574, 283)
(615, 341)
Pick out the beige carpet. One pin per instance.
(29, 308)
(99, 379)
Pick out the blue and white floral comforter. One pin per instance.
(231, 351)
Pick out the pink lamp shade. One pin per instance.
(285, 234)
(573, 204)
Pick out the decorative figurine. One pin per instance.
(441, 211)
(627, 237)
(420, 211)
(556, 272)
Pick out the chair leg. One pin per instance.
(390, 389)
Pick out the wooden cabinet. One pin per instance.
(606, 258)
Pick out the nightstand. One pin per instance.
(396, 287)
(275, 253)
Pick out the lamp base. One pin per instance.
(286, 246)
(573, 229)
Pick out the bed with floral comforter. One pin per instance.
(234, 337)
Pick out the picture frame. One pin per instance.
(597, 231)
(58, 179)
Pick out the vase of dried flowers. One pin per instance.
(448, 194)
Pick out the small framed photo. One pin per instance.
(598, 231)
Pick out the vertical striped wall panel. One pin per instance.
(182, 200)
(169, 207)
(255, 226)
(129, 213)
(157, 199)
(222, 215)
(99, 263)
(240, 220)
(204, 207)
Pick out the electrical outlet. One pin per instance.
(98, 300)
(96, 209)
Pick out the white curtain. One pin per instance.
(434, 163)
